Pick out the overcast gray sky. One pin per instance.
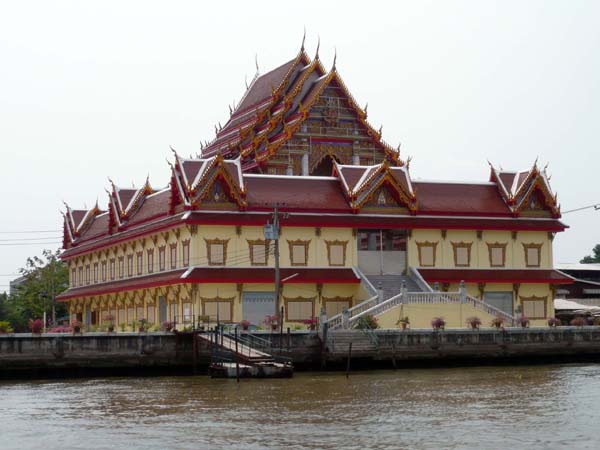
(96, 89)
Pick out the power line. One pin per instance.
(30, 239)
(32, 243)
(30, 231)
(595, 206)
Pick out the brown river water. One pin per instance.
(522, 407)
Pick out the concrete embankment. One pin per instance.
(24, 355)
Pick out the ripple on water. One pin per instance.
(460, 408)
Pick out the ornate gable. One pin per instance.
(527, 192)
(76, 221)
(213, 181)
(380, 186)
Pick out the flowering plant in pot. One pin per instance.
(498, 322)
(36, 326)
(554, 322)
(271, 321)
(245, 324)
(76, 326)
(438, 323)
(404, 322)
(474, 322)
(578, 322)
(524, 321)
(167, 326)
(311, 323)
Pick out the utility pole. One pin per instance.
(276, 254)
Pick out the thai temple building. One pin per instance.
(356, 233)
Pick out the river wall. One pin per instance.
(47, 355)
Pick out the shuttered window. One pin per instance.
(299, 310)
(224, 310)
(335, 307)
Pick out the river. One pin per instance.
(521, 407)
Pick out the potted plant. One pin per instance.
(36, 326)
(438, 323)
(311, 323)
(110, 319)
(245, 324)
(578, 322)
(5, 327)
(524, 321)
(76, 326)
(204, 320)
(271, 321)
(142, 325)
(404, 322)
(367, 322)
(474, 322)
(122, 326)
(554, 322)
(167, 326)
(498, 322)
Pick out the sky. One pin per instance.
(91, 90)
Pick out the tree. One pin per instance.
(594, 258)
(45, 278)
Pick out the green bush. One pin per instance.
(366, 322)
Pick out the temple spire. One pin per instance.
(334, 58)
(303, 40)
(318, 45)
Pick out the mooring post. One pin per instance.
(237, 361)
(348, 362)
(195, 352)
(394, 354)
(289, 338)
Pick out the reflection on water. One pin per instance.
(541, 407)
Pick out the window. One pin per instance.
(122, 316)
(224, 307)
(185, 247)
(173, 311)
(187, 312)
(150, 315)
(216, 250)
(95, 273)
(161, 258)
(121, 266)
(73, 277)
(103, 270)
(497, 254)
(298, 309)
(129, 265)
(336, 252)
(427, 251)
(534, 307)
(150, 253)
(139, 312)
(80, 276)
(336, 305)
(173, 255)
(139, 261)
(298, 252)
(87, 274)
(130, 316)
(259, 250)
(462, 253)
(532, 254)
(112, 268)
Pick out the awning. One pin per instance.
(267, 275)
(494, 276)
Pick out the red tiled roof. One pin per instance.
(98, 227)
(78, 215)
(351, 175)
(125, 196)
(156, 205)
(295, 192)
(128, 284)
(459, 198)
(261, 88)
(267, 275)
(494, 276)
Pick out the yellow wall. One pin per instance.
(420, 315)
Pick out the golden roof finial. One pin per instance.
(334, 58)
(303, 40)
